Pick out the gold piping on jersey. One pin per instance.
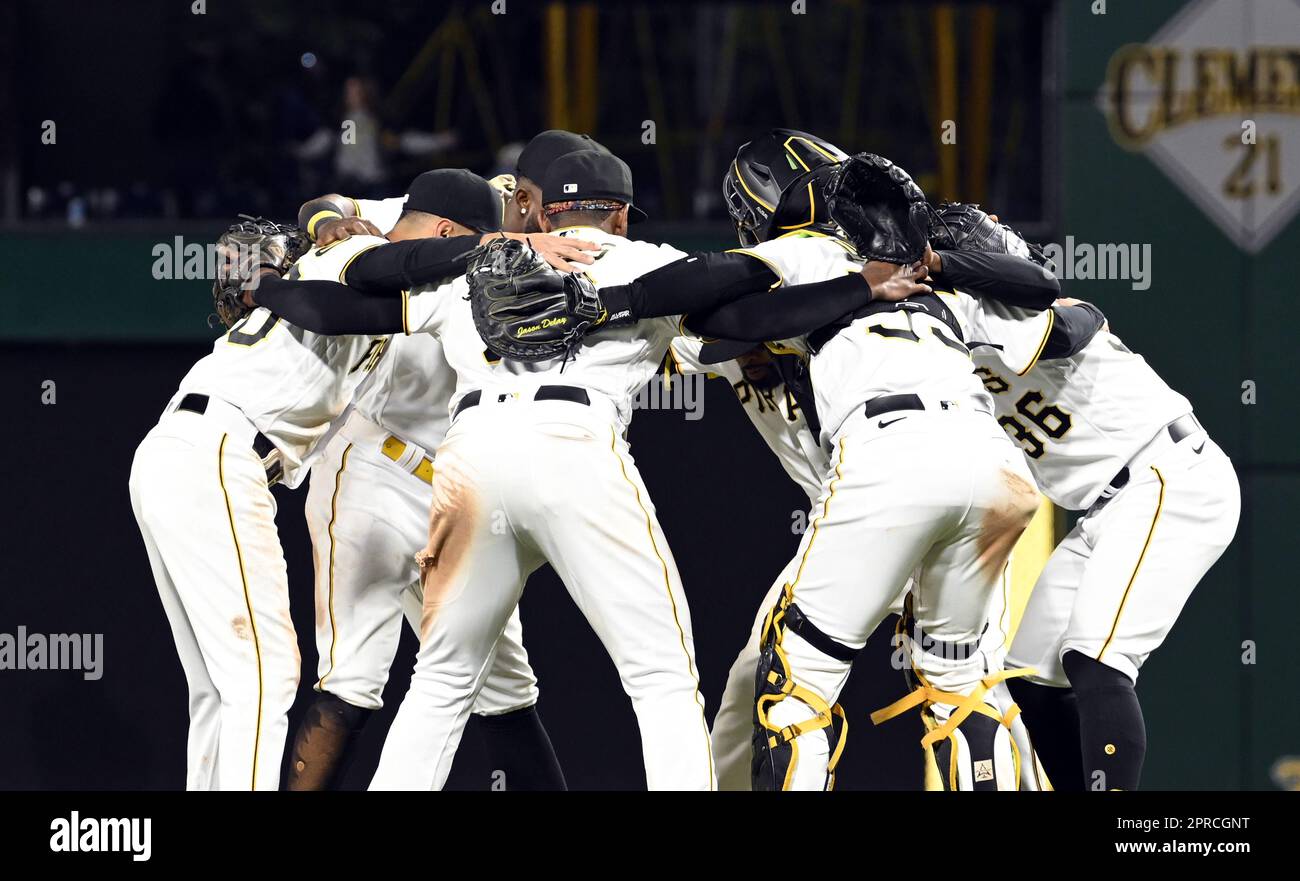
(668, 586)
(1051, 322)
(343, 273)
(406, 302)
(1160, 501)
(248, 602)
(329, 531)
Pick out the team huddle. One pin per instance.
(455, 369)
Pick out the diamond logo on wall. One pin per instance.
(1213, 99)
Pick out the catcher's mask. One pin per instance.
(247, 245)
(774, 185)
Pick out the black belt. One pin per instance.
(889, 403)
(1183, 427)
(570, 393)
(1179, 430)
(261, 443)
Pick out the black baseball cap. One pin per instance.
(456, 194)
(548, 146)
(590, 175)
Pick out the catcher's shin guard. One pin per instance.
(777, 745)
(969, 741)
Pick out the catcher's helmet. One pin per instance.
(773, 186)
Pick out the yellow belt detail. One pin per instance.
(394, 448)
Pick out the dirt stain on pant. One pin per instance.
(1002, 525)
(453, 518)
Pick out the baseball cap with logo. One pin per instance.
(590, 175)
(548, 146)
(456, 194)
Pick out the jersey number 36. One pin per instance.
(1049, 419)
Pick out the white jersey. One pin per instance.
(444, 311)
(884, 353)
(409, 390)
(614, 364)
(774, 412)
(1079, 419)
(383, 213)
(290, 382)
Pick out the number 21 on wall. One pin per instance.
(1262, 157)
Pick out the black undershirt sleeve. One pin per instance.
(1005, 277)
(1072, 329)
(691, 284)
(327, 307)
(390, 269)
(784, 313)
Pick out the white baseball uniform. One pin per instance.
(529, 474)
(1116, 584)
(202, 498)
(779, 421)
(368, 514)
(936, 494)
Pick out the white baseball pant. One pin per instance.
(939, 495)
(207, 516)
(519, 483)
(368, 515)
(1114, 587)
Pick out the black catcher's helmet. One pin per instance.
(773, 186)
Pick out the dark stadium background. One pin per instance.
(169, 122)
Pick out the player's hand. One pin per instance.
(931, 260)
(891, 283)
(565, 254)
(341, 228)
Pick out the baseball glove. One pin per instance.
(964, 226)
(524, 308)
(242, 251)
(880, 208)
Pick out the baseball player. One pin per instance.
(1105, 435)
(367, 511)
(892, 383)
(200, 489)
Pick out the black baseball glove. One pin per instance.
(880, 208)
(243, 250)
(526, 309)
(964, 226)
